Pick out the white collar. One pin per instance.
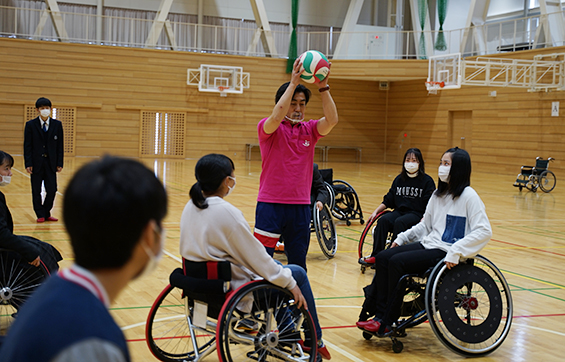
(79, 275)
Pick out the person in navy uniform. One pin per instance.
(43, 156)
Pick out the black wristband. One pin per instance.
(323, 89)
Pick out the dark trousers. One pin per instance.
(395, 222)
(381, 299)
(292, 222)
(43, 209)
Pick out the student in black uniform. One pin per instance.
(408, 196)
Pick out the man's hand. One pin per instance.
(29, 170)
(296, 72)
(36, 262)
(324, 82)
(319, 205)
(298, 297)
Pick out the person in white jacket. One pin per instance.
(455, 225)
(212, 229)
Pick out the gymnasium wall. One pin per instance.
(502, 133)
(110, 86)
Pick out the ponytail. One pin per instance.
(197, 196)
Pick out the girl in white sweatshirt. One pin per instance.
(455, 225)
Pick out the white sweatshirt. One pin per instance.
(460, 227)
(220, 232)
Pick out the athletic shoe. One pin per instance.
(372, 326)
(279, 248)
(362, 324)
(322, 350)
(367, 260)
(40, 220)
(51, 218)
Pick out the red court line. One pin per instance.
(522, 246)
(354, 326)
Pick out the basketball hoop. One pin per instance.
(223, 92)
(433, 87)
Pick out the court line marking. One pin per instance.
(539, 329)
(342, 352)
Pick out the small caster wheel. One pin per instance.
(363, 268)
(348, 222)
(397, 346)
(520, 188)
(362, 221)
(367, 335)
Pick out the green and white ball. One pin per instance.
(316, 66)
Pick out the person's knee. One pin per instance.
(298, 273)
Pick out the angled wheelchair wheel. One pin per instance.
(547, 181)
(18, 281)
(271, 329)
(365, 247)
(168, 331)
(331, 201)
(413, 307)
(469, 307)
(346, 205)
(325, 231)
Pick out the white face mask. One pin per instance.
(412, 168)
(153, 259)
(294, 120)
(230, 189)
(443, 173)
(45, 113)
(5, 180)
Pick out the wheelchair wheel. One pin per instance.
(168, 331)
(279, 331)
(366, 240)
(18, 281)
(325, 231)
(331, 201)
(414, 304)
(547, 181)
(469, 306)
(347, 205)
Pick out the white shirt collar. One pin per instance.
(79, 275)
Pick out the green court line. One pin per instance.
(534, 279)
(347, 237)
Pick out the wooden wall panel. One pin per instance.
(114, 77)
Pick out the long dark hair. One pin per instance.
(6, 157)
(210, 171)
(459, 175)
(421, 169)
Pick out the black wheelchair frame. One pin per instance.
(345, 201)
(18, 280)
(538, 176)
(193, 316)
(469, 307)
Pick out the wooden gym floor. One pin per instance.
(528, 246)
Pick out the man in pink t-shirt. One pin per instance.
(287, 150)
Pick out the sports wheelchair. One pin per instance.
(18, 280)
(532, 177)
(197, 313)
(344, 200)
(469, 307)
(366, 239)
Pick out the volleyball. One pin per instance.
(316, 66)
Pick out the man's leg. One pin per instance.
(50, 180)
(296, 232)
(268, 221)
(299, 274)
(36, 182)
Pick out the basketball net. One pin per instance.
(223, 92)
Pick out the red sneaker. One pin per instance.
(362, 324)
(323, 351)
(41, 219)
(51, 218)
(367, 260)
(372, 326)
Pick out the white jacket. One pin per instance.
(460, 227)
(220, 232)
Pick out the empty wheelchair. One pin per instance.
(197, 313)
(469, 307)
(345, 204)
(18, 280)
(532, 177)
(366, 240)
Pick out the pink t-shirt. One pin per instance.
(288, 157)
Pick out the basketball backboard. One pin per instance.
(218, 78)
(444, 72)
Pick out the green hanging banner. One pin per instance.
(441, 12)
(422, 12)
(293, 47)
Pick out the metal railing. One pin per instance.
(491, 38)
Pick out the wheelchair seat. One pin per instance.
(198, 313)
(469, 307)
(538, 176)
(345, 205)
